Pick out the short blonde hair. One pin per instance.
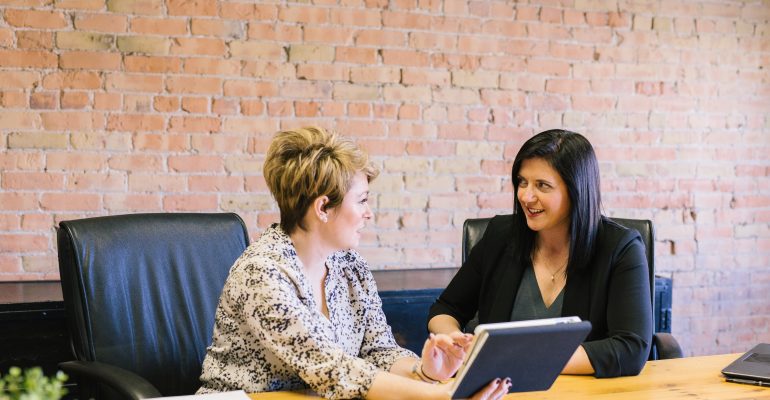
(306, 163)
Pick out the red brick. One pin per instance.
(306, 108)
(35, 40)
(132, 202)
(6, 37)
(323, 72)
(307, 15)
(224, 106)
(359, 110)
(33, 181)
(35, 19)
(134, 83)
(74, 100)
(144, 7)
(137, 103)
(194, 124)
(330, 35)
(195, 163)
(252, 107)
(355, 17)
(189, 202)
(70, 201)
(649, 88)
(36, 222)
(478, 44)
(380, 38)
(593, 35)
(162, 142)
(23, 243)
(153, 64)
(409, 21)
(135, 122)
(72, 120)
(306, 90)
(279, 108)
(199, 85)
(56, 161)
(355, 55)
(567, 86)
(274, 32)
(80, 4)
(256, 50)
(385, 111)
(242, 88)
(89, 60)
(26, 59)
(218, 28)
(136, 162)
(425, 40)
(18, 201)
(43, 100)
(248, 11)
(218, 143)
(72, 80)
(192, 8)
(360, 128)
(216, 183)
(107, 101)
(159, 26)
(101, 23)
(197, 105)
(382, 147)
(198, 46)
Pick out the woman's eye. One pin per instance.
(364, 201)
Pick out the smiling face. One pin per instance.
(543, 196)
(345, 222)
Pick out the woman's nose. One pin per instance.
(368, 214)
(526, 194)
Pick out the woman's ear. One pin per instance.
(319, 208)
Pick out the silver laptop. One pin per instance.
(752, 368)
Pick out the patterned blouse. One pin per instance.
(269, 335)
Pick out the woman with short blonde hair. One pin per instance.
(300, 308)
(307, 163)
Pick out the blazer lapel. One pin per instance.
(577, 294)
(508, 279)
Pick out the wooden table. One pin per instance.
(693, 378)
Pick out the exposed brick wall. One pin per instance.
(130, 106)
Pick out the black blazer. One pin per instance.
(613, 292)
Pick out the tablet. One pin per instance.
(531, 353)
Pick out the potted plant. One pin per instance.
(31, 384)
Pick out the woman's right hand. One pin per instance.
(494, 390)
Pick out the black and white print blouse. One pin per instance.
(269, 335)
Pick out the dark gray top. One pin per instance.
(529, 303)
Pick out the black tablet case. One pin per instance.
(531, 356)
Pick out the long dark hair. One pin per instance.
(573, 158)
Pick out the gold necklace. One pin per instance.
(553, 275)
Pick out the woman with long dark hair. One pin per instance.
(558, 256)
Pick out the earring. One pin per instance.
(324, 218)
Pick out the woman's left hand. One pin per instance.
(442, 354)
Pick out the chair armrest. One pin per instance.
(667, 346)
(126, 383)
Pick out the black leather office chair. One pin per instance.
(664, 345)
(140, 292)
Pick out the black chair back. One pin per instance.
(140, 291)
